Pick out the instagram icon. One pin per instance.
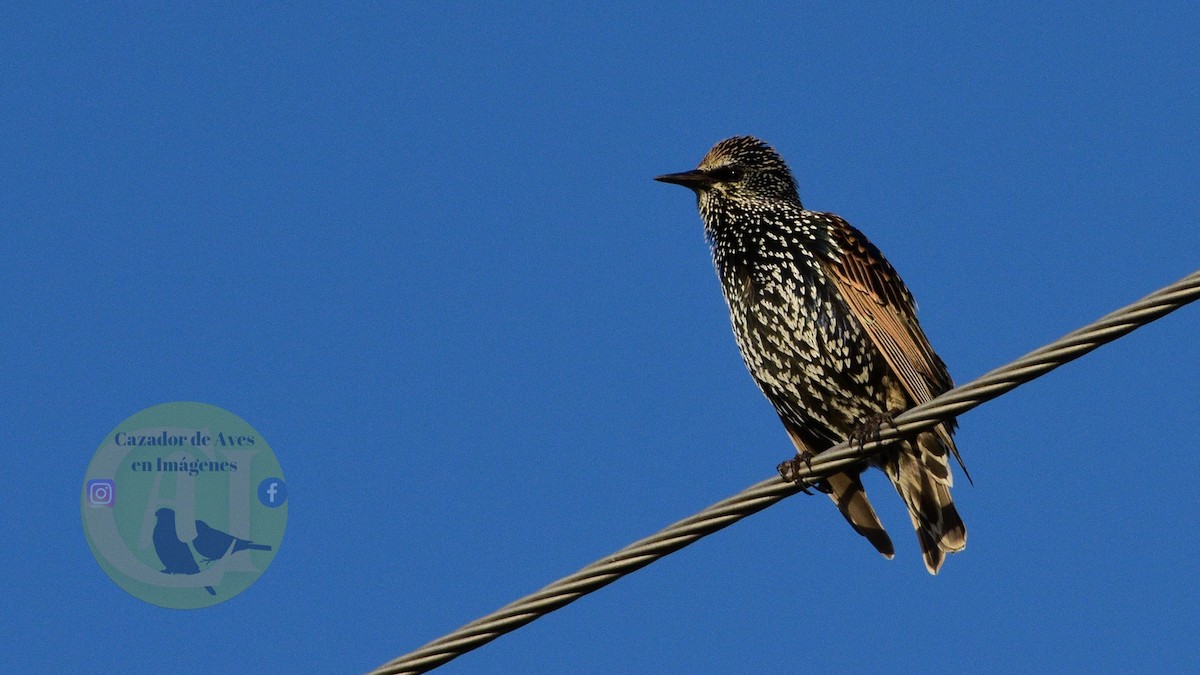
(101, 492)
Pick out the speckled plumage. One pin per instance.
(829, 332)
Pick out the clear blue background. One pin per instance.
(421, 252)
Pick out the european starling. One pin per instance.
(829, 332)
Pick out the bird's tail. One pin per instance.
(920, 470)
(846, 491)
(257, 547)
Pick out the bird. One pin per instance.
(829, 332)
(174, 553)
(213, 544)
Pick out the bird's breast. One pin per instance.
(811, 359)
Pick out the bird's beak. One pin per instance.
(695, 179)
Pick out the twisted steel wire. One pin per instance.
(761, 495)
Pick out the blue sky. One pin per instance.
(421, 252)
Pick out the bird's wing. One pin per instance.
(884, 307)
(878, 298)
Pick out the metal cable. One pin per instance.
(760, 496)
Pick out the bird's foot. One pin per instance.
(870, 427)
(790, 470)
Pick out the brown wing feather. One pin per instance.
(884, 307)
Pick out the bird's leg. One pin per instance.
(790, 470)
(870, 427)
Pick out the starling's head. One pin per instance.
(740, 169)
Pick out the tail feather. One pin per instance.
(846, 491)
(920, 472)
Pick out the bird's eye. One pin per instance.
(726, 174)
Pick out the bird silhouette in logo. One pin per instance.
(174, 553)
(213, 544)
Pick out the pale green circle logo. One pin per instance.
(184, 505)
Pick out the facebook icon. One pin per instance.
(272, 492)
